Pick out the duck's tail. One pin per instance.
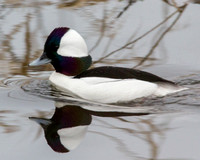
(168, 88)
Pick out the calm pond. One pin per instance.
(151, 35)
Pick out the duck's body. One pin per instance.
(67, 52)
(109, 88)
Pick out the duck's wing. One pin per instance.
(122, 73)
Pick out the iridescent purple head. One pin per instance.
(53, 41)
(66, 50)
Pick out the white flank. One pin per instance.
(107, 90)
(104, 90)
(72, 45)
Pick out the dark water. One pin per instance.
(33, 114)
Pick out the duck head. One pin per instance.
(66, 50)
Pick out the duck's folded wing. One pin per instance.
(122, 73)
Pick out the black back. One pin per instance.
(121, 73)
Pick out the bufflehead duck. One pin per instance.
(66, 50)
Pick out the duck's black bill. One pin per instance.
(41, 61)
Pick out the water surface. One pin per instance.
(149, 128)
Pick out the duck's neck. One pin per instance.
(71, 66)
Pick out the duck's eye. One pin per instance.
(54, 47)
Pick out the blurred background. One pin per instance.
(118, 32)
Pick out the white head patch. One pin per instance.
(72, 45)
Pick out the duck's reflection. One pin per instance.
(68, 125)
